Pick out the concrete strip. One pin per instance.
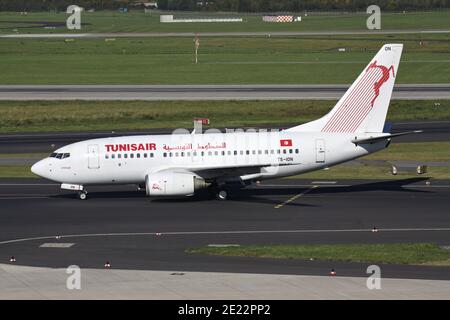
(206, 92)
(17, 282)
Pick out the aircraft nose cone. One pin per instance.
(38, 168)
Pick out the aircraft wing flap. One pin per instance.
(230, 171)
(223, 170)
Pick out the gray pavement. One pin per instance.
(219, 34)
(45, 283)
(121, 225)
(207, 92)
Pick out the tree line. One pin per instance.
(299, 5)
(61, 5)
(227, 5)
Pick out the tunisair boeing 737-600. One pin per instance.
(180, 164)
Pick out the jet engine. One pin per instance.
(173, 184)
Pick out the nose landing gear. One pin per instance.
(82, 195)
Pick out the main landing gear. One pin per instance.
(222, 194)
(219, 192)
(82, 195)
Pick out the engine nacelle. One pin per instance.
(173, 184)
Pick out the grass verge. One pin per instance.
(16, 172)
(138, 21)
(414, 253)
(222, 60)
(48, 116)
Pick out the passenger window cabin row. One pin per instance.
(126, 155)
(202, 153)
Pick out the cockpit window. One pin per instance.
(60, 155)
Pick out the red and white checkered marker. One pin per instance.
(107, 265)
(282, 18)
(333, 272)
(12, 259)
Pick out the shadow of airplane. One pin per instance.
(262, 194)
(388, 185)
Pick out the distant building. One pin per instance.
(146, 4)
(204, 3)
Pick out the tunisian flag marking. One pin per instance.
(286, 143)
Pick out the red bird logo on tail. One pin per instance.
(385, 77)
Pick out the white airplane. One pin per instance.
(180, 164)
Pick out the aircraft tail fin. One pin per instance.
(363, 108)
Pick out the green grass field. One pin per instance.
(236, 60)
(47, 116)
(222, 60)
(137, 21)
(396, 253)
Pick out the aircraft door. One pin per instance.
(93, 157)
(320, 151)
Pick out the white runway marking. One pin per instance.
(324, 182)
(57, 245)
(238, 232)
(28, 184)
(24, 197)
(223, 245)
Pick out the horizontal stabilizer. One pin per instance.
(383, 137)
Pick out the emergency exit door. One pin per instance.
(320, 150)
(93, 157)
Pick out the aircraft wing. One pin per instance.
(383, 137)
(228, 171)
(221, 170)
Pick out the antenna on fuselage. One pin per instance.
(198, 125)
